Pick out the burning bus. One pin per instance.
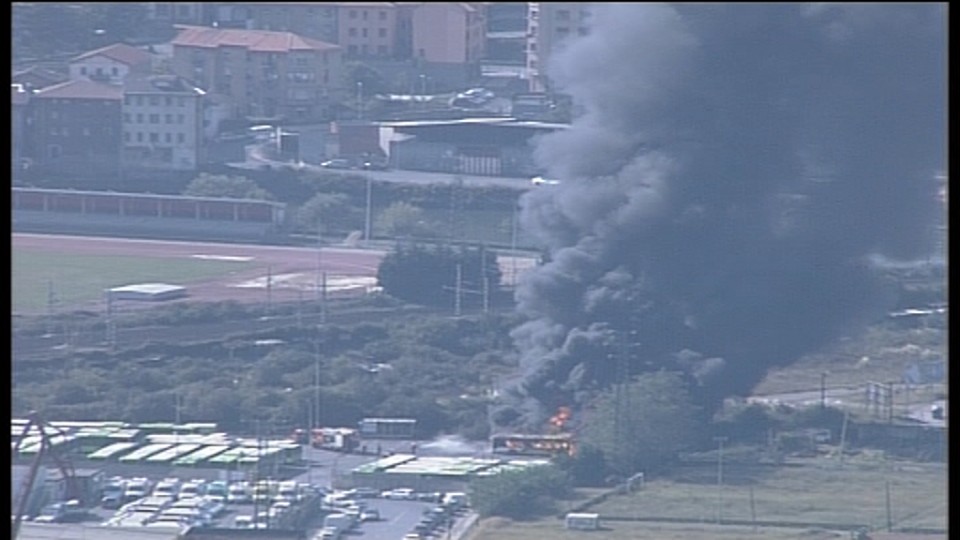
(557, 441)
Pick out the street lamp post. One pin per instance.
(360, 100)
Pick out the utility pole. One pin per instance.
(316, 387)
(457, 291)
(366, 223)
(823, 390)
(269, 288)
(323, 299)
(513, 244)
(720, 441)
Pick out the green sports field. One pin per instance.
(78, 279)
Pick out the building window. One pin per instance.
(154, 100)
(114, 71)
(83, 70)
(138, 100)
(154, 137)
(181, 138)
(127, 118)
(181, 102)
(582, 31)
(167, 138)
(352, 32)
(383, 15)
(126, 136)
(353, 14)
(154, 118)
(168, 101)
(139, 118)
(169, 118)
(365, 14)
(139, 136)
(382, 32)
(563, 15)
(180, 118)
(364, 30)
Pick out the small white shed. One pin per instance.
(581, 521)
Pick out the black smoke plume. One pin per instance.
(732, 171)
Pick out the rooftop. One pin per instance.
(80, 89)
(18, 94)
(121, 52)
(253, 40)
(169, 84)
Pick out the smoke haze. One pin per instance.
(732, 171)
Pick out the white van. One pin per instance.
(580, 521)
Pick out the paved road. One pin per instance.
(256, 159)
(847, 396)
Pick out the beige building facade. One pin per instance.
(261, 74)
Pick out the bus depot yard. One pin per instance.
(191, 476)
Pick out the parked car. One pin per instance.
(375, 164)
(370, 514)
(366, 492)
(399, 494)
(338, 163)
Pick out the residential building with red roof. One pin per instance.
(75, 126)
(264, 74)
(110, 64)
(37, 77)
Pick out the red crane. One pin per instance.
(46, 447)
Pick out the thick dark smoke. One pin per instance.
(732, 171)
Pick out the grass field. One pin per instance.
(82, 278)
(820, 492)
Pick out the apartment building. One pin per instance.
(261, 74)
(449, 32)
(181, 12)
(551, 25)
(110, 64)
(19, 100)
(162, 123)
(316, 20)
(75, 127)
(369, 29)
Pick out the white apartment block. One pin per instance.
(162, 123)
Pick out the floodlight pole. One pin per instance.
(720, 441)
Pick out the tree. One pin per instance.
(428, 276)
(519, 493)
(331, 211)
(644, 425)
(402, 219)
(231, 187)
